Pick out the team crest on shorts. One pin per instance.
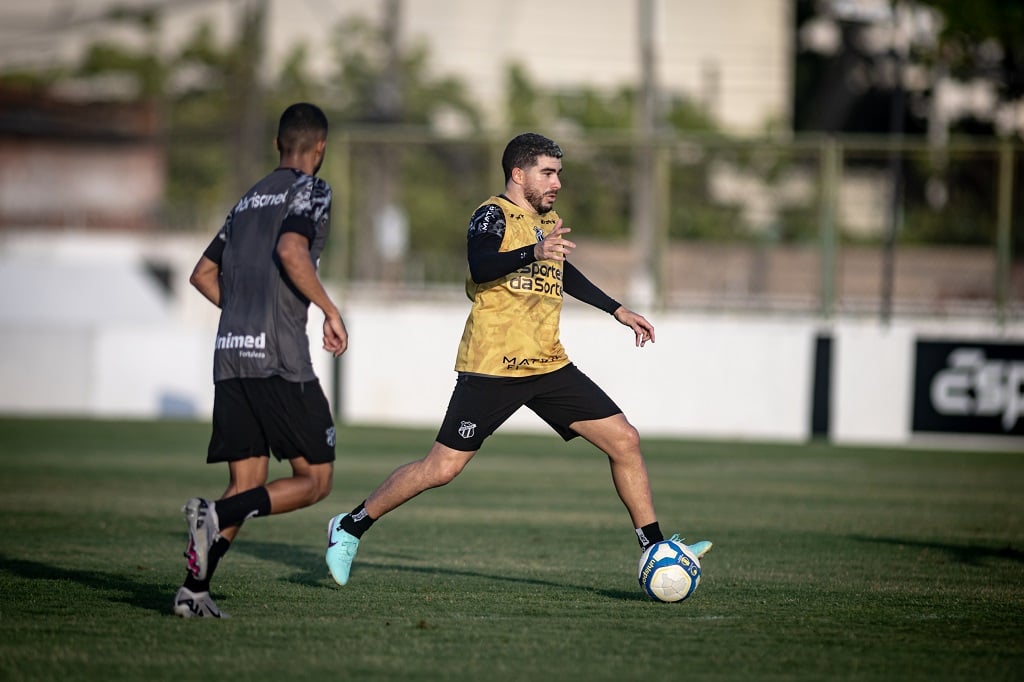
(467, 429)
(331, 436)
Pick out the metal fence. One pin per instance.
(823, 226)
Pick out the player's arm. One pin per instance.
(487, 263)
(293, 251)
(578, 286)
(206, 274)
(483, 246)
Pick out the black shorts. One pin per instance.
(257, 417)
(479, 405)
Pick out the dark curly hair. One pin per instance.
(302, 125)
(522, 152)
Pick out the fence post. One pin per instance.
(1004, 213)
(339, 164)
(662, 210)
(831, 163)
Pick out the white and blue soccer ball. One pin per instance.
(669, 571)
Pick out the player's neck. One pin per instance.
(300, 162)
(519, 199)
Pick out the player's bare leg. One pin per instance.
(245, 474)
(208, 542)
(439, 467)
(621, 442)
(249, 494)
(214, 525)
(308, 484)
(619, 439)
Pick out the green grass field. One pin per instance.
(829, 563)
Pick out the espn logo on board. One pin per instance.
(969, 387)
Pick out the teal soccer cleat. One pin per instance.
(341, 550)
(699, 548)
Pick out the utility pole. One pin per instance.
(643, 284)
(250, 144)
(897, 111)
(380, 249)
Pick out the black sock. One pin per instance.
(357, 522)
(649, 534)
(218, 550)
(231, 511)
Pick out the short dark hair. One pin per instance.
(522, 152)
(302, 125)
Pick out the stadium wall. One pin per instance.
(707, 376)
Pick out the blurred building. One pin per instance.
(734, 57)
(72, 164)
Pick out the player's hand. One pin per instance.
(643, 329)
(335, 335)
(554, 246)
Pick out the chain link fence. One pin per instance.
(823, 226)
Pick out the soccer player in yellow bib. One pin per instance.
(510, 354)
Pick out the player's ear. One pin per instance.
(277, 145)
(518, 175)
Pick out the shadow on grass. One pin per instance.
(135, 591)
(152, 596)
(309, 563)
(313, 572)
(967, 554)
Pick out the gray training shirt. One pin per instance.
(262, 329)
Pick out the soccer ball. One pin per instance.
(669, 571)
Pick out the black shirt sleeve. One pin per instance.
(487, 263)
(300, 225)
(215, 251)
(486, 232)
(579, 287)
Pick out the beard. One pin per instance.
(540, 202)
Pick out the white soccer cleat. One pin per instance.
(189, 604)
(203, 531)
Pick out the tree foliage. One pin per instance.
(205, 90)
(984, 38)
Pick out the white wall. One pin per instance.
(704, 376)
(872, 373)
(85, 334)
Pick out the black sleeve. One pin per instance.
(578, 286)
(215, 251)
(299, 225)
(487, 263)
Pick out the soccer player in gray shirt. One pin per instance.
(261, 271)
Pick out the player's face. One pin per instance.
(541, 183)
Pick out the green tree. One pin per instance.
(201, 115)
(387, 87)
(142, 67)
(378, 82)
(599, 162)
(984, 38)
